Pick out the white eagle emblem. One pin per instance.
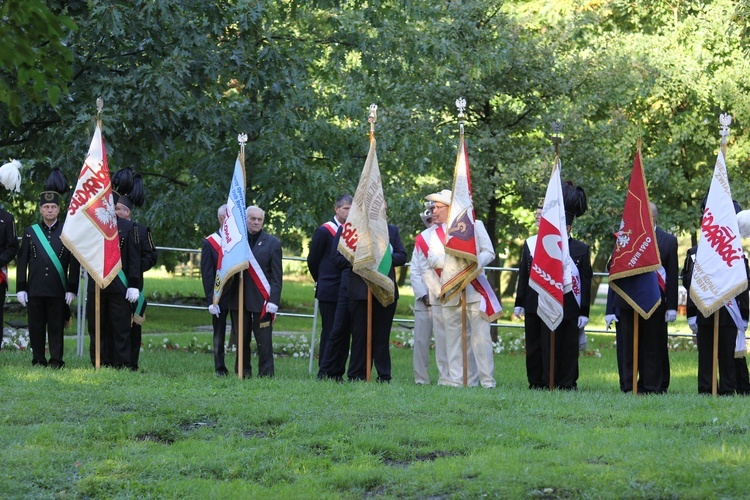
(106, 213)
(623, 237)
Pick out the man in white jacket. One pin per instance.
(480, 356)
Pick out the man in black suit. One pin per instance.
(382, 317)
(733, 375)
(262, 293)
(148, 256)
(576, 302)
(115, 309)
(653, 340)
(46, 282)
(210, 250)
(324, 272)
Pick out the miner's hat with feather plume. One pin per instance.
(128, 188)
(10, 175)
(574, 199)
(54, 188)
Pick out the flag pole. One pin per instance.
(97, 301)
(556, 139)
(725, 120)
(368, 368)
(312, 336)
(636, 324)
(97, 329)
(464, 356)
(242, 138)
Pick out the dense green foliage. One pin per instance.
(180, 80)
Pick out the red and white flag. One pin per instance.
(461, 265)
(461, 253)
(550, 273)
(719, 271)
(90, 229)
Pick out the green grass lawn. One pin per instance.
(174, 430)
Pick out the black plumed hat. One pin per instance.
(574, 199)
(54, 188)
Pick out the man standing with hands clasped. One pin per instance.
(262, 293)
(47, 276)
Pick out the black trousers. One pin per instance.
(653, 354)
(262, 328)
(3, 290)
(728, 381)
(566, 354)
(115, 317)
(534, 364)
(46, 317)
(382, 320)
(333, 358)
(220, 334)
(327, 316)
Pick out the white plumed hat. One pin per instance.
(743, 219)
(10, 175)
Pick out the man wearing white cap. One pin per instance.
(423, 305)
(479, 353)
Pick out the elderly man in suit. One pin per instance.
(262, 293)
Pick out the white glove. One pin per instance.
(271, 308)
(22, 297)
(582, 321)
(436, 261)
(693, 323)
(131, 295)
(670, 315)
(609, 319)
(214, 310)
(69, 297)
(518, 312)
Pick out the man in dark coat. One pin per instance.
(10, 178)
(46, 282)
(324, 272)
(210, 251)
(382, 317)
(653, 340)
(262, 293)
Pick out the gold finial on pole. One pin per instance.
(556, 135)
(461, 106)
(242, 139)
(373, 117)
(725, 120)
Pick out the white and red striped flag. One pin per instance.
(90, 229)
(550, 273)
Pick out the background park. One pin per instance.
(180, 80)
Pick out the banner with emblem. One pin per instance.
(461, 266)
(719, 272)
(633, 272)
(90, 229)
(550, 274)
(234, 254)
(364, 237)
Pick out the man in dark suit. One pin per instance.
(382, 317)
(576, 302)
(324, 272)
(210, 250)
(148, 256)
(653, 339)
(262, 293)
(115, 310)
(733, 377)
(46, 282)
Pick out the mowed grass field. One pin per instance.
(174, 430)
